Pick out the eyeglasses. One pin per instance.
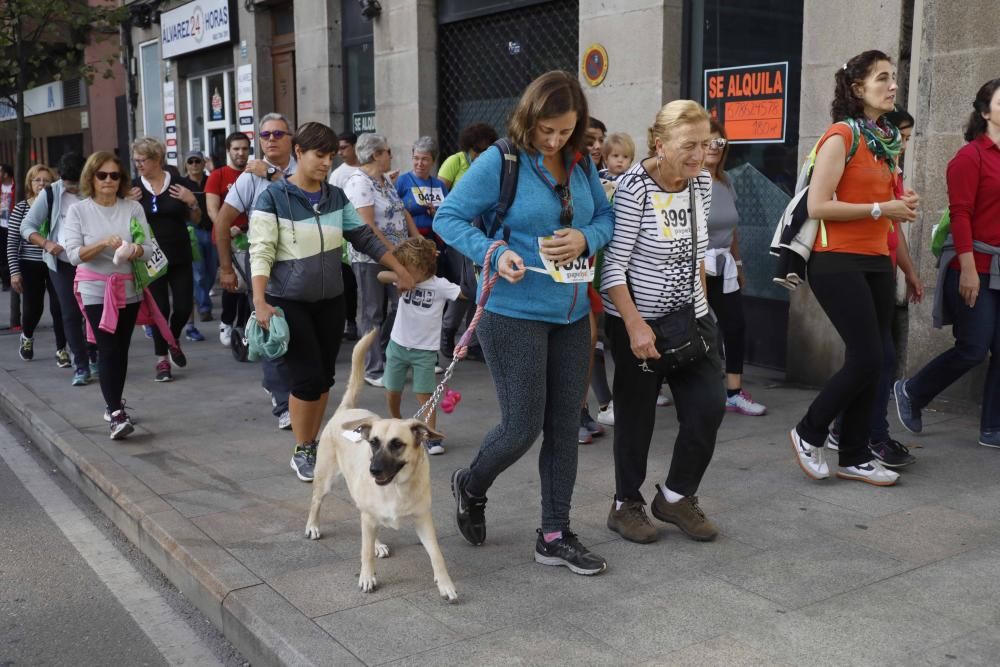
(105, 175)
(195, 160)
(566, 202)
(717, 144)
(277, 135)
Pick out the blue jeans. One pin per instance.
(977, 332)
(204, 271)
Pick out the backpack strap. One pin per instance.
(509, 167)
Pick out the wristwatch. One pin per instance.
(271, 171)
(876, 211)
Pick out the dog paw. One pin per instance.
(367, 583)
(448, 592)
(312, 532)
(381, 550)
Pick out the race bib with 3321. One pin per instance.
(673, 214)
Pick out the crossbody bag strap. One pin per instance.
(694, 241)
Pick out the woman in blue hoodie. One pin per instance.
(296, 236)
(535, 333)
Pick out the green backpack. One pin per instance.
(941, 233)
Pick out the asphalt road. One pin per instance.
(74, 590)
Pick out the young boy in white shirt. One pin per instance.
(416, 333)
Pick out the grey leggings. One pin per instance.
(540, 373)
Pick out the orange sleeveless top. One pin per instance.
(866, 180)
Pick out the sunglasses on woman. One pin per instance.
(194, 160)
(105, 175)
(274, 134)
(566, 204)
(717, 144)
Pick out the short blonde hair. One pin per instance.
(35, 171)
(672, 116)
(417, 253)
(622, 142)
(150, 148)
(94, 163)
(552, 94)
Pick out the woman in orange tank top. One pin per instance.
(850, 272)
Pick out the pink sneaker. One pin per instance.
(744, 404)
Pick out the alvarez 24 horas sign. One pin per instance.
(750, 101)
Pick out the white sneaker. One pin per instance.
(832, 441)
(606, 415)
(872, 472)
(438, 370)
(225, 334)
(810, 458)
(744, 404)
(285, 421)
(663, 400)
(374, 382)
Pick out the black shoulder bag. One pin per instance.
(678, 339)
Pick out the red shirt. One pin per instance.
(974, 198)
(218, 183)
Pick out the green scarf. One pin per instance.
(882, 138)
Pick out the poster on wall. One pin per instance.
(750, 101)
(170, 122)
(244, 102)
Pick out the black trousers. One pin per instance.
(350, 292)
(113, 350)
(700, 400)
(36, 281)
(72, 318)
(859, 305)
(175, 289)
(732, 322)
(235, 308)
(315, 330)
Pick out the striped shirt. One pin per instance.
(17, 248)
(651, 246)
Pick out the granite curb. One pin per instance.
(265, 628)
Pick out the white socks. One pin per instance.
(671, 496)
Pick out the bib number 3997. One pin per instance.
(579, 270)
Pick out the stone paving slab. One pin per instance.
(909, 574)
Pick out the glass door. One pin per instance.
(212, 110)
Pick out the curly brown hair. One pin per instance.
(846, 103)
(418, 254)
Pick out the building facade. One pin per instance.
(407, 68)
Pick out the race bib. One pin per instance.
(157, 261)
(425, 196)
(673, 215)
(579, 270)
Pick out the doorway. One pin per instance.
(212, 111)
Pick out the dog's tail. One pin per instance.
(357, 371)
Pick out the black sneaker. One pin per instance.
(892, 453)
(177, 357)
(568, 551)
(470, 513)
(304, 461)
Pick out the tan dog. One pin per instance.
(387, 471)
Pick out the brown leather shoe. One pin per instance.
(631, 522)
(686, 515)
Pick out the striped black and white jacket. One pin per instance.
(658, 268)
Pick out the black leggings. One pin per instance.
(732, 323)
(177, 286)
(113, 350)
(859, 305)
(36, 281)
(350, 292)
(315, 330)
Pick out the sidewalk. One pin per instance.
(819, 573)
